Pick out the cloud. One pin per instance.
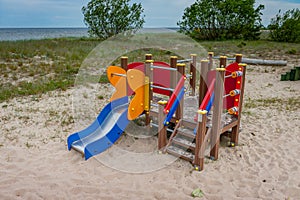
(272, 7)
(67, 13)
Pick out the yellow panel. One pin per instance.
(119, 82)
(136, 81)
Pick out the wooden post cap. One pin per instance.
(148, 54)
(173, 57)
(242, 64)
(180, 64)
(204, 60)
(202, 112)
(149, 61)
(239, 54)
(221, 69)
(162, 102)
(124, 57)
(211, 53)
(223, 57)
(193, 54)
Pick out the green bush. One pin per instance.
(286, 27)
(226, 19)
(106, 18)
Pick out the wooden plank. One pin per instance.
(203, 81)
(218, 107)
(162, 130)
(149, 73)
(229, 126)
(181, 71)
(200, 144)
(193, 73)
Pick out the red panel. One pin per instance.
(161, 78)
(231, 84)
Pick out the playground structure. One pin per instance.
(220, 97)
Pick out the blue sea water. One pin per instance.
(12, 34)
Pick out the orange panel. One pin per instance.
(136, 81)
(119, 82)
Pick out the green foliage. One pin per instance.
(106, 18)
(222, 19)
(286, 27)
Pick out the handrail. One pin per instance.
(174, 106)
(175, 94)
(174, 133)
(208, 99)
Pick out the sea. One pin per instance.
(13, 34)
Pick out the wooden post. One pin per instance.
(193, 73)
(124, 62)
(235, 130)
(181, 71)
(148, 72)
(173, 77)
(124, 65)
(238, 58)
(148, 56)
(203, 80)
(200, 135)
(162, 130)
(210, 59)
(218, 108)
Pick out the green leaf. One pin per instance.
(197, 193)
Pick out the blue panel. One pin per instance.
(97, 147)
(174, 106)
(95, 125)
(118, 128)
(109, 107)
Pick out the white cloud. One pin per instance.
(272, 7)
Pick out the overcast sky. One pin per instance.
(67, 13)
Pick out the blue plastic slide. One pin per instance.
(103, 132)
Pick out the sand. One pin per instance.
(35, 162)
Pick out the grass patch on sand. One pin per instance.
(288, 104)
(33, 67)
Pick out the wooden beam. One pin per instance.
(200, 144)
(162, 130)
(181, 71)
(203, 81)
(124, 62)
(218, 108)
(193, 73)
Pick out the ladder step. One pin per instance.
(184, 143)
(180, 153)
(186, 132)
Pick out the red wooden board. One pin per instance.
(160, 77)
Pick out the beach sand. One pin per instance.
(35, 162)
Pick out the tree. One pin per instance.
(106, 18)
(286, 27)
(222, 19)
